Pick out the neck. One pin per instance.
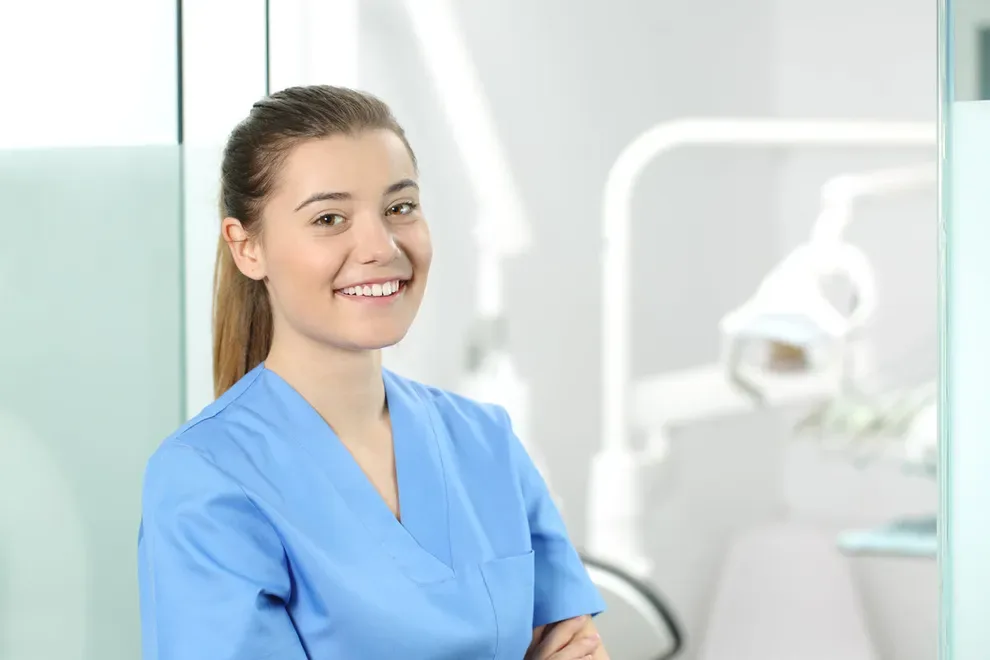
(345, 387)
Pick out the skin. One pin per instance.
(313, 245)
(572, 639)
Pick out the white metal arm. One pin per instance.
(617, 217)
(840, 193)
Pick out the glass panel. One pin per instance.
(90, 286)
(968, 48)
(965, 325)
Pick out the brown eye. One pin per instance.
(329, 220)
(403, 208)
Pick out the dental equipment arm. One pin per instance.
(840, 194)
(617, 215)
(664, 402)
(790, 308)
(614, 501)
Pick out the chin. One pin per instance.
(372, 341)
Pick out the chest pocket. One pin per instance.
(511, 584)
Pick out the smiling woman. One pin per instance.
(345, 213)
(322, 506)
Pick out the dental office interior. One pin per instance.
(691, 246)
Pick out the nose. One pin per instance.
(374, 241)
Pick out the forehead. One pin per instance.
(365, 162)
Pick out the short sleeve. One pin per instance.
(212, 571)
(563, 588)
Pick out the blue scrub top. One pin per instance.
(261, 537)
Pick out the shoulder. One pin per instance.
(218, 418)
(194, 454)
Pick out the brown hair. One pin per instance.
(255, 151)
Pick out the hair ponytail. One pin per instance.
(242, 322)
(242, 315)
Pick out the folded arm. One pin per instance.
(565, 598)
(575, 638)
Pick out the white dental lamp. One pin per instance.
(908, 416)
(659, 402)
(790, 316)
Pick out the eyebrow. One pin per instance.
(328, 196)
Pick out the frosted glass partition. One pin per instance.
(90, 312)
(91, 362)
(965, 329)
(109, 233)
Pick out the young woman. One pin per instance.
(323, 507)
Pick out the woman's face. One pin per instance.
(344, 245)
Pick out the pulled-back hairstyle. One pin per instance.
(252, 159)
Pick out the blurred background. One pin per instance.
(731, 397)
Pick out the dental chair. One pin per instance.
(786, 593)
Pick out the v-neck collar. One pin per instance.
(420, 543)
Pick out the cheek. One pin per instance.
(418, 245)
(302, 265)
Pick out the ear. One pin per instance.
(245, 249)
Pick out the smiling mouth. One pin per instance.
(378, 290)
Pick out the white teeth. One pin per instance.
(373, 290)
